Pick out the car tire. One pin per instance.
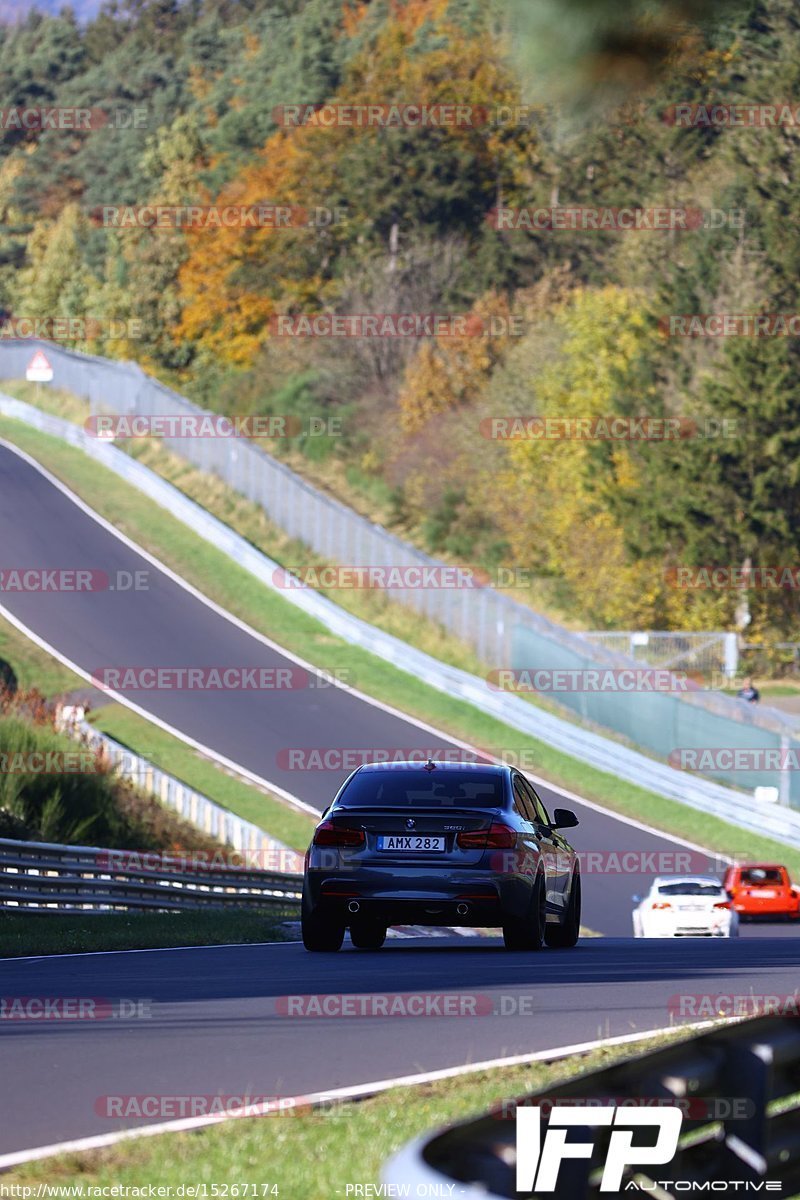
(320, 932)
(565, 935)
(367, 935)
(528, 933)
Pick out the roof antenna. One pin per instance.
(430, 765)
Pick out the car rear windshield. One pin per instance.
(423, 789)
(690, 889)
(762, 875)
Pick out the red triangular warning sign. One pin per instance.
(39, 369)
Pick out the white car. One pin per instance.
(685, 906)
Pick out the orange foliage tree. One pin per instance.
(387, 183)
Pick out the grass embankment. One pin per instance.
(53, 789)
(51, 933)
(270, 613)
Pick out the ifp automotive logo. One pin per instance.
(539, 1159)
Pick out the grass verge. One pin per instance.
(52, 933)
(307, 1155)
(233, 588)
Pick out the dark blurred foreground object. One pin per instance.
(580, 54)
(739, 1088)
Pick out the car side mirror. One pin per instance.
(636, 899)
(563, 818)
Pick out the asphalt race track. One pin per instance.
(212, 1025)
(215, 1026)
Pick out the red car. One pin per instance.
(762, 890)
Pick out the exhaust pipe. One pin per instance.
(462, 909)
(353, 906)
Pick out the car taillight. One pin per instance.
(328, 834)
(662, 904)
(496, 837)
(723, 904)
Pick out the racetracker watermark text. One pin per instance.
(71, 579)
(605, 429)
(589, 679)
(396, 325)
(215, 216)
(612, 220)
(210, 425)
(214, 678)
(382, 115)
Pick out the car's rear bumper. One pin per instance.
(675, 929)
(465, 897)
(687, 933)
(415, 911)
(779, 907)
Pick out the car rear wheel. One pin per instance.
(527, 933)
(367, 935)
(320, 932)
(565, 935)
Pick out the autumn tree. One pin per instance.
(392, 184)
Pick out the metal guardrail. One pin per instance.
(46, 877)
(768, 820)
(738, 1087)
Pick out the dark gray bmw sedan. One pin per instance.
(440, 844)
